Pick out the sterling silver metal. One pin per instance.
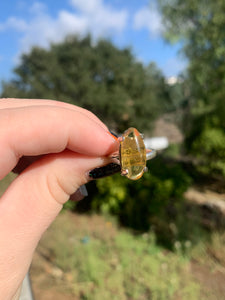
(150, 154)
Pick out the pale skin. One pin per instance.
(62, 142)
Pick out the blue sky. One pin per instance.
(133, 23)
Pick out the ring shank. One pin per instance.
(150, 154)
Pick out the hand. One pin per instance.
(54, 145)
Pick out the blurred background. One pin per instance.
(158, 66)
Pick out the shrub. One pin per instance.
(139, 204)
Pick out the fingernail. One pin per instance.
(83, 190)
(104, 171)
(80, 194)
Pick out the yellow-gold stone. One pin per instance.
(132, 154)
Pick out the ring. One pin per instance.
(132, 154)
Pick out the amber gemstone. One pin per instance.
(132, 154)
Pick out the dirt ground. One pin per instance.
(213, 282)
(165, 126)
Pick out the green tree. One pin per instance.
(199, 26)
(106, 80)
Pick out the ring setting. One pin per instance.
(133, 154)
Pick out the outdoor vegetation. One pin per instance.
(140, 240)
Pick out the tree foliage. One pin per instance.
(199, 25)
(100, 77)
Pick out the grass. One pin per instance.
(110, 263)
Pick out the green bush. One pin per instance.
(143, 203)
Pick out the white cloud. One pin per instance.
(101, 17)
(14, 24)
(90, 16)
(88, 6)
(38, 8)
(149, 18)
(68, 23)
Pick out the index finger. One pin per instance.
(14, 103)
(46, 129)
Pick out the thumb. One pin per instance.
(29, 206)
